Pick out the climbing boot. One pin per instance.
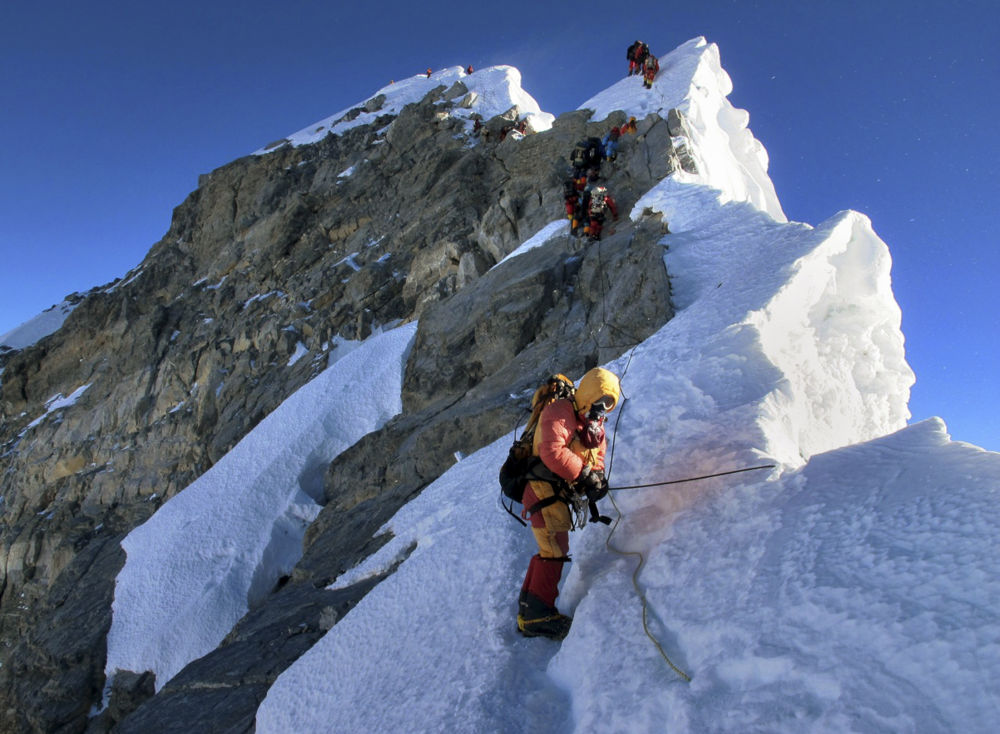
(535, 618)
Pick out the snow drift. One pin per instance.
(193, 569)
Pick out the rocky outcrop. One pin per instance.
(270, 263)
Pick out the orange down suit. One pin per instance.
(557, 443)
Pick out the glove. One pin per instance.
(602, 488)
(592, 483)
(595, 486)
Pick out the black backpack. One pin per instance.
(595, 150)
(516, 470)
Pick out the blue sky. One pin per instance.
(111, 110)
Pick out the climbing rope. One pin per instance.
(605, 324)
(642, 559)
(608, 544)
(694, 479)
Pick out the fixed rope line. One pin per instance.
(694, 479)
(642, 596)
(614, 435)
(642, 559)
(603, 278)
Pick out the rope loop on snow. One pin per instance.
(642, 596)
(642, 559)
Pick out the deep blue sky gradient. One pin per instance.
(111, 110)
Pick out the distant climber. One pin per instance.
(636, 54)
(650, 68)
(629, 127)
(571, 198)
(610, 143)
(428, 72)
(599, 204)
(570, 444)
(586, 154)
(469, 69)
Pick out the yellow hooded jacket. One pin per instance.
(557, 441)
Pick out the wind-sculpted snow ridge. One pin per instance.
(489, 92)
(692, 80)
(795, 325)
(857, 593)
(194, 568)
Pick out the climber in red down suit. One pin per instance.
(650, 68)
(600, 203)
(570, 442)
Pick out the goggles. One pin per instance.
(605, 403)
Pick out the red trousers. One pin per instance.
(545, 567)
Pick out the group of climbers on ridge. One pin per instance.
(586, 198)
(567, 436)
(641, 61)
(567, 439)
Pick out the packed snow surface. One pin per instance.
(853, 586)
(194, 567)
(31, 331)
(488, 93)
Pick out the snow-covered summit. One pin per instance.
(692, 80)
(489, 92)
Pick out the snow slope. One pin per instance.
(852, 595)
(195, 566)
(33, 330)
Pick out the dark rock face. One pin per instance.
(187, 353)
(221, 691)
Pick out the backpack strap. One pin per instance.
(542, 504)
(510, 511)
(560, 486)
